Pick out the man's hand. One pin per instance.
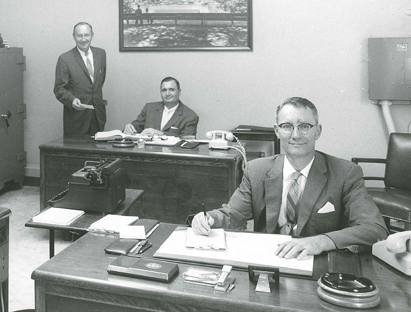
(151, 131)
(129, 129)
(201, 224)
(77, 105)
(300, 248)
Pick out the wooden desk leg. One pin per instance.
(51, 243)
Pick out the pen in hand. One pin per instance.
(205, 216)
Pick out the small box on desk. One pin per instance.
(146, 268)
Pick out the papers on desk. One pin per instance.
(243, 249)
(58, 216)
(112, 223)
(118, 134)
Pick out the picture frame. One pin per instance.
(185, 25)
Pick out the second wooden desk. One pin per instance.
(175, 180)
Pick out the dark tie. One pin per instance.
(89, 67)
(292, 200)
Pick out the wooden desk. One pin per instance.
(81, 224)
(175, 180)
(77, 279)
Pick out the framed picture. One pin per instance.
(185, 25)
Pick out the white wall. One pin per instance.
(311, 48)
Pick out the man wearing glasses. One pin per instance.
(319, 199)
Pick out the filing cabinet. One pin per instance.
(12, 113)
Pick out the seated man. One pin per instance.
(306, 193)
(170, 117)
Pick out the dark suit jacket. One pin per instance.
(183, 122)
(355, 221)
(73, 81)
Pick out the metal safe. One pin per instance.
(13, 112)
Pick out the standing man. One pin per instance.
(170, 117)
(139, 16)
(319, 199)
(80, 75)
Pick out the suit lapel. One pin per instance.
(315, 183)
(273, 194)
(80, 61)
(97, 64)
(175, 117)
(159, 115)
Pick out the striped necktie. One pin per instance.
(89, 66)
(292, 200)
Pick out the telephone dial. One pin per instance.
(396, 251)
(219, 139)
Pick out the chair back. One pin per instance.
(398, 166)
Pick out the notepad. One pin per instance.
(215, 240)
(58, 216)
(112, 223)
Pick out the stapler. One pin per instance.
(98, 186)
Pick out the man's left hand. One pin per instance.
(300, 248)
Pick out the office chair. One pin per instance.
(394, 200)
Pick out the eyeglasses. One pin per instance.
(302, 128)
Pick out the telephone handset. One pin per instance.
(219, 139)
(399, 242)
(396, 251)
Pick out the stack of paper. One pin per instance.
(112, 223)
(58, 216)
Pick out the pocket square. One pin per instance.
(174, 128)
(328, 207)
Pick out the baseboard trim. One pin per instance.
(32, 170)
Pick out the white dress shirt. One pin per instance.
(167, 114)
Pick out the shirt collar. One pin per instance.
(84, 53)
(289, 169)
(171, 109)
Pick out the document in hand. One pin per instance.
(216, 240)
(243, 249)
(58, 216)
(112, 223)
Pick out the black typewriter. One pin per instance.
(98, 186)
